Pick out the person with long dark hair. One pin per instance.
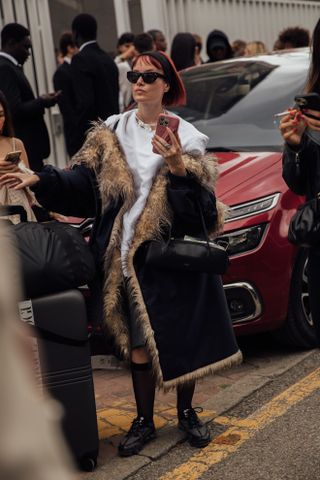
(174, 327)
(301, 165)
(183, 50)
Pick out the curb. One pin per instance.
(169, 436)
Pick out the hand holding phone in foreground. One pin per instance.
(165, 122)
(166, 142)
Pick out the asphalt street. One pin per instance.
(263, 416)
(271, 434)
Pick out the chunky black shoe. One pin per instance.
(197, 432)
(140, 433)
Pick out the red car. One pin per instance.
(234, 103)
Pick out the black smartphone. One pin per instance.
(13, 157)
(309, 100)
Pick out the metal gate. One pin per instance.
(35, 15)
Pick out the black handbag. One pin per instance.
(304, 227)
(188, 254)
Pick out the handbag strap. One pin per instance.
(205, 230)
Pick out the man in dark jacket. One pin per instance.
(27, 111)
(95, 77)
(62, 81)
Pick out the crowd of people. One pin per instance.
(90, 84)
(139, 187)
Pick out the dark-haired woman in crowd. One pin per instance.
(301, 165)
(174, 327)
(183, 51)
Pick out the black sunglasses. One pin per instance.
(147, 77)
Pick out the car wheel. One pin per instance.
(299, 330)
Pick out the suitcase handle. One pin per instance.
(8, 210)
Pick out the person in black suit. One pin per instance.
(27, 111)
(95, 77)
(62, 81)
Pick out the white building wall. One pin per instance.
(246, 19)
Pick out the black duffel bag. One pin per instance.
(54, 257)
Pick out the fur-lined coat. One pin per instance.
(184, 316)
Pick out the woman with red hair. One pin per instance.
(174, 327)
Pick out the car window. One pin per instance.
(213, 93)
(234, 102)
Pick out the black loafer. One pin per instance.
(140, 433)
(198, 433)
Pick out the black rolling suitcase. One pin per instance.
(62, 335)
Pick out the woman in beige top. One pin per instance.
(13, 158)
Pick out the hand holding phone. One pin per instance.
(166, 121)
(50, 99)
(13, 157)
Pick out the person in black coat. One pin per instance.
(96, 79)
(62, 81)
(174, 326)
(218, 46)
(27, 111)
(301, 166)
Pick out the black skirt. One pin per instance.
(137, 337)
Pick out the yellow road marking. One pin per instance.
(113, 421)
(244, 429)
(116, 420)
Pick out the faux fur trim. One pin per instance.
(102, 153)
(228, 362)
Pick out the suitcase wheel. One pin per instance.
(88, 464)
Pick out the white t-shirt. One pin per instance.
(124, 85)
(144, 164)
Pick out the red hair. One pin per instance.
(176, 95)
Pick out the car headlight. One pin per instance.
(252, 208)
(243, 240)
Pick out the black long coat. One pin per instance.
(184, 317)
(63, 81)
(96, 86)
(301, 172)
(301, 167)
(27, 112)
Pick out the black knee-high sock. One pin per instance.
(144, 388)
(184, 396)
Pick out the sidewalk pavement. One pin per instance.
(216, 394)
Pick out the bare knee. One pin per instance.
(140, 355)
